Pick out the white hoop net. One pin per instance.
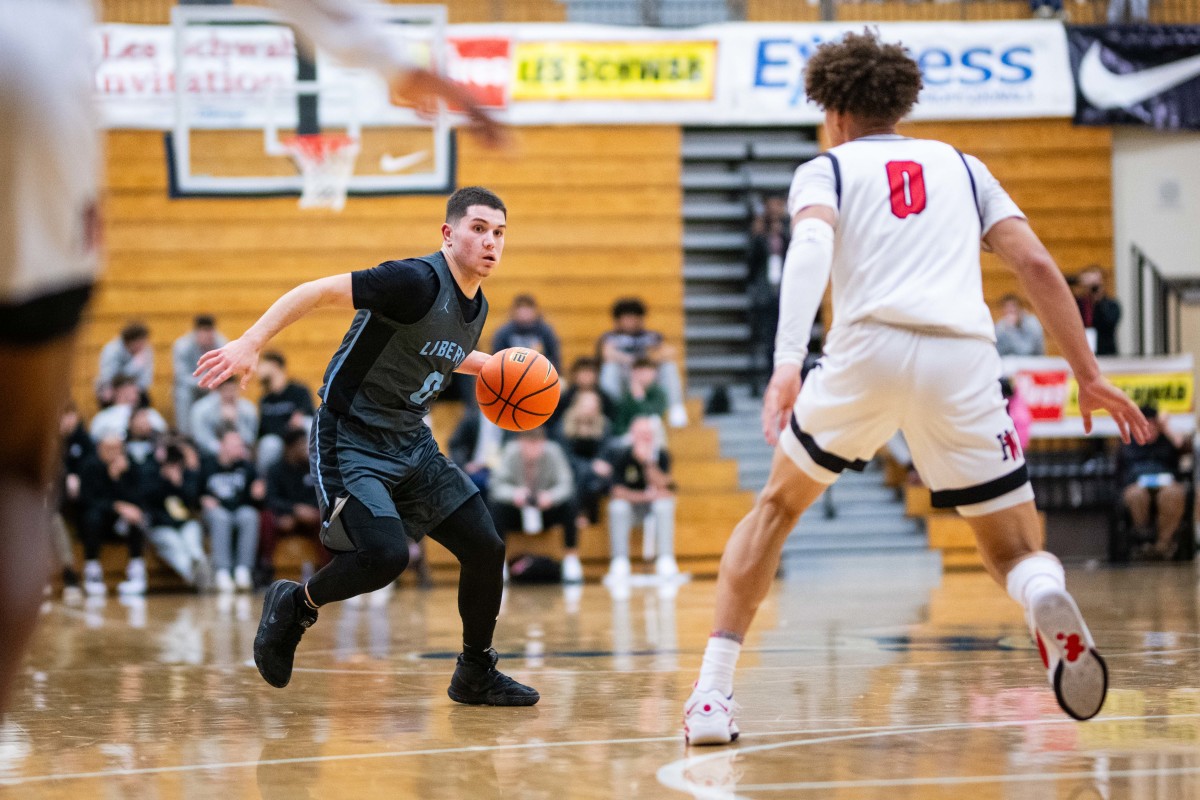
(326, 162)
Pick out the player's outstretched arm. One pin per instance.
(347, 31)
(1016, 243)
(240, 356)
(473, 363)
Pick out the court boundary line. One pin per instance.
(845, 734)
(673, 774)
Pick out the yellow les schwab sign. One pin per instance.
(615, 70)
(1171, 392)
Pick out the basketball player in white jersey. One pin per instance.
(898, 224)
(49, 245)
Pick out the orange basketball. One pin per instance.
(517, 389)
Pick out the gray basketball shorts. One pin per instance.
(397, 474)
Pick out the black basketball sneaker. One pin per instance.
(477, 682)
(284, 621)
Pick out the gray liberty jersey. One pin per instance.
(385, 374)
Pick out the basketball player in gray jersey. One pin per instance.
(378, 470)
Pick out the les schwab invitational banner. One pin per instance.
(539, 74)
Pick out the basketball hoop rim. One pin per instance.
(318, 146)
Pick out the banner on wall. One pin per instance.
(1048, 388)
(564, 74)
(1137, 75)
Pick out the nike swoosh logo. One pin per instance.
(1105, 89)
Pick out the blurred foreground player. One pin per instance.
(898, 222)
(49, 235)
(378, 470)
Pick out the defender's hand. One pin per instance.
(1100, 394)
(780, 396)
(423, 89)
(239, 357)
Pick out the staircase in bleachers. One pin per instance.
(867, 516)
(725, 174)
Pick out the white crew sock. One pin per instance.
(1038, 573)
(716, 671)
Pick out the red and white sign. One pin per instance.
(484, 66)
(1044, 391)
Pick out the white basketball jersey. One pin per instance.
(911, 213)
(49, 149)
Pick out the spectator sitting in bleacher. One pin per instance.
(230, 488)
(532, 489)
(172, 526)
(475, 445)
(585, 434)
(628, 342)
(114, 420)
(584, 377)
(1148, 473)
(642, 493)
(219, 410)
(77, 449)
(285, 404)
(1018, 333)
(643, 397)
(109, 505)
(527, 328)
(184, 354)
(291, 506)
(129, 355)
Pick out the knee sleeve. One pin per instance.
(380, 547)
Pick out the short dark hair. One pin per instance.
(628, 305)
(293, 435)
(525, 299)
(275, 357)
(464, 198)
(123, 380)
(585, 362)
(643, 362)
(1149, 410)
(204, 321)
(864, 77)
(134, 331)
(226, 428)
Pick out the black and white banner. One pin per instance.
(1136, 75)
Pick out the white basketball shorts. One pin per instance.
(942, 392)
(49, 168)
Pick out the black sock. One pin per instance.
(477, 655)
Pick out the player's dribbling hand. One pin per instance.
(778, 400)
(239, 357)
(1100, 394)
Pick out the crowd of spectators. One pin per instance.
(228, 470)
(560, 476)
(213, 493)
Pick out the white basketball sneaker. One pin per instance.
(708, 718)
(1076, 671)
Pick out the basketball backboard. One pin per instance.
(244, 85)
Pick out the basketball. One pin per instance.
(517, 389)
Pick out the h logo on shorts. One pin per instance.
(1009, 446)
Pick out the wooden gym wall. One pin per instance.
(594, 214)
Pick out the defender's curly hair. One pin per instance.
(865, 77)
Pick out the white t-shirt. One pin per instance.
(911, 213)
